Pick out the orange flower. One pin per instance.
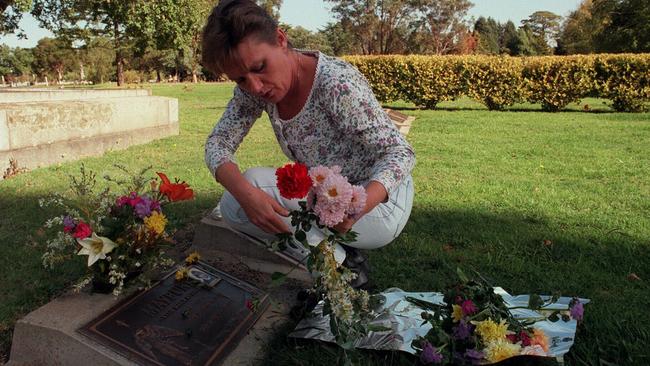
(540, 339)
(175, 191)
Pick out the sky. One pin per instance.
(315, 14)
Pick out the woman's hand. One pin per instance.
(262, 210)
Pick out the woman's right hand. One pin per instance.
(263, 210)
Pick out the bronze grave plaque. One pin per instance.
(188, 322)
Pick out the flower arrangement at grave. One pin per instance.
(474, 326)
(327, 198)
(122, 234)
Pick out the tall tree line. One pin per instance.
(99, 40)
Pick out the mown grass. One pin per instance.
(536, 202)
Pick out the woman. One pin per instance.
(323, 113)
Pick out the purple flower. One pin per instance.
(145, 206)
(430, 354)
(474, 356)
(68, 224)
(68, 221)
(576, 309)
(463, 330)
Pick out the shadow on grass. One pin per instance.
(522, 252)
(465, 109)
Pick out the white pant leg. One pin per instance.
(386, 221)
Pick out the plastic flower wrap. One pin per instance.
(124, 234)
(474, 326)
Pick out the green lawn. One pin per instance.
(491, 187)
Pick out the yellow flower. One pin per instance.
(457, 313)
(95, 247)
(491, 331)
(193, 258)
(156, 222)
(181, 274)
(500, 350)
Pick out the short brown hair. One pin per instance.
(229, 23)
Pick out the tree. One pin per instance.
(375, 26)
(11, 11)
(626, 25)
(487, 31)
(578, 31)
(339, 40)
(96, 56)
(84, 19)
(545, 27)
(302, 38)
(440, 24)
(53, 57)
(272, 7)
(174, 25)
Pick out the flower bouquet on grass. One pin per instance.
(475, 326)
(328, 199)
(122, 234)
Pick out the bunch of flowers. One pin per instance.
(123, 235)
(329, 199)
(474, 326)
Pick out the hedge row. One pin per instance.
(498, 82)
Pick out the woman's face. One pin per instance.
(262, 69)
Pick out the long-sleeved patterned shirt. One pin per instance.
(342, 123)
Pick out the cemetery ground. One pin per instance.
(536, 202)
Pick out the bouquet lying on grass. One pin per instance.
(475, 326)
(329, 199)
(122, 234)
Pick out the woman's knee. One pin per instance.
(260, 176)
(231, 211)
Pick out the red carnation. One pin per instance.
(293, 180)
(82, 230)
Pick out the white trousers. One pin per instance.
(375, 229)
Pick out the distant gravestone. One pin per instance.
(401, 120)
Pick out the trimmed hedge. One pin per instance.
(500, 81)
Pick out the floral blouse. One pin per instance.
(342, 123)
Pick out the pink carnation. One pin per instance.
(358, 202)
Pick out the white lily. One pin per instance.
(95, 247)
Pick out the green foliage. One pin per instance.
(626, 25)
(53, 57)
(15, 62)
(625, 79)
(555, 82)
(11, 12)
(499, 82)
(494, 81)
(304, 39)
(430, 80)
(383, 73)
